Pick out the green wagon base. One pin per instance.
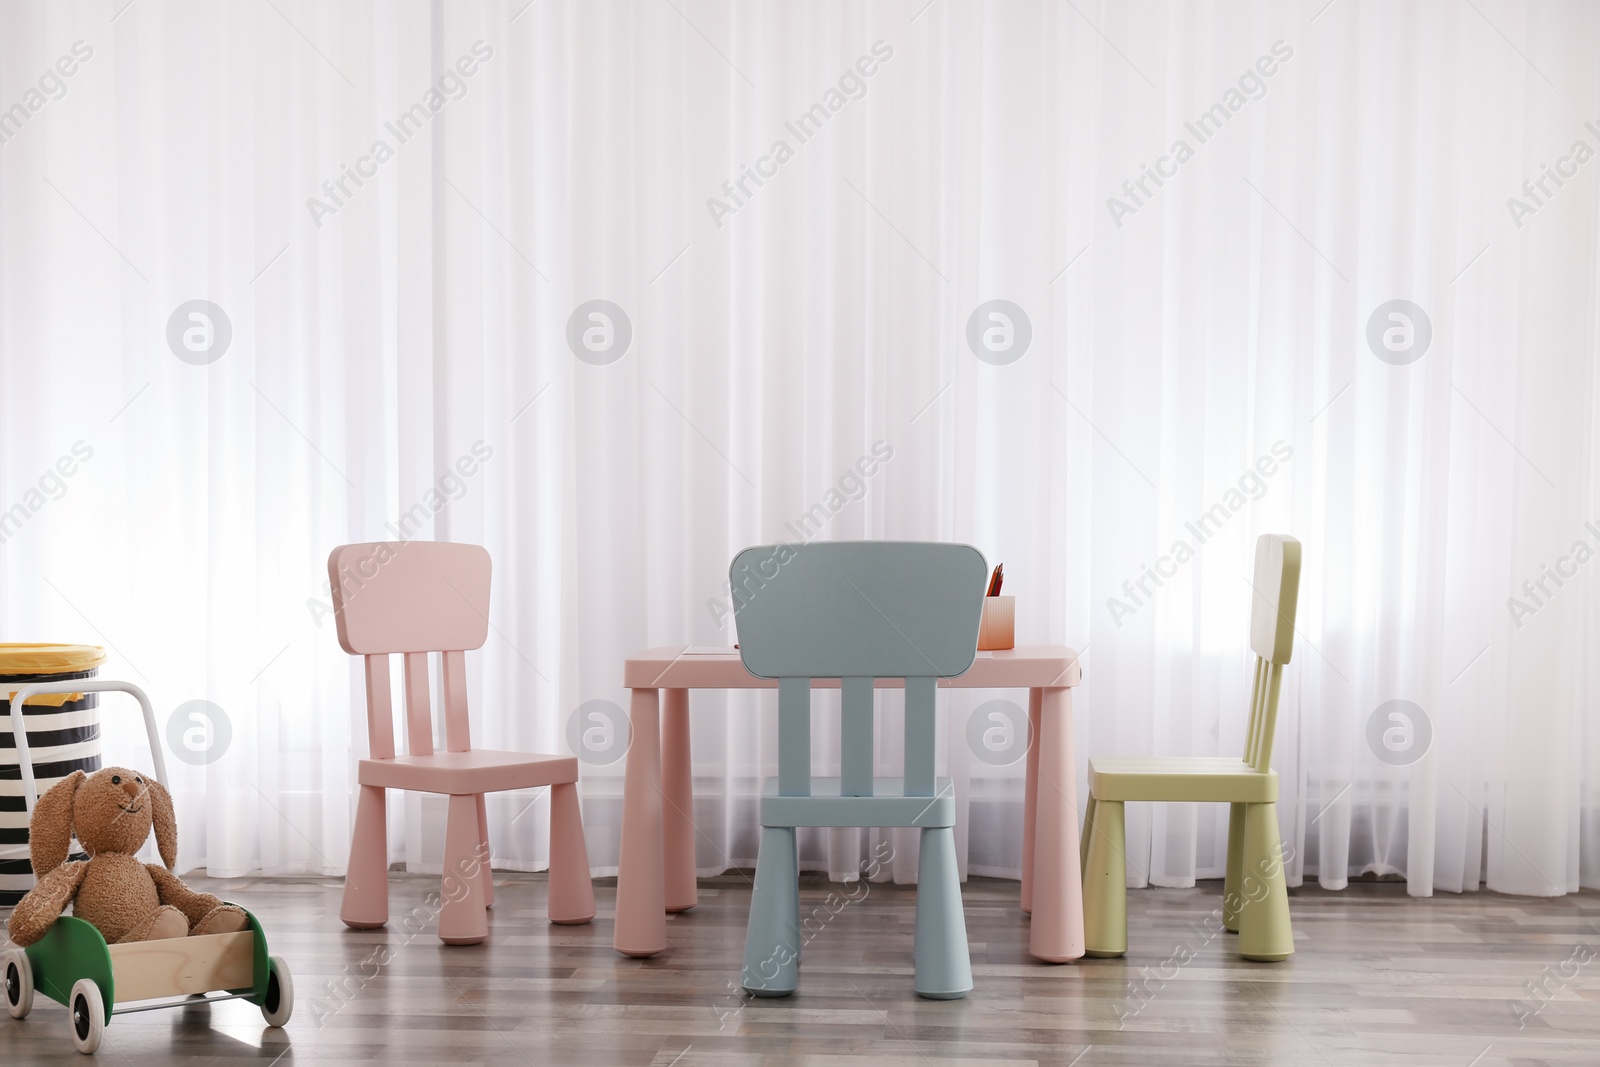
(73, 966)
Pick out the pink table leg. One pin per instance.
(1030, 796)
(641, 894)
(1057, 929)
(677, 790)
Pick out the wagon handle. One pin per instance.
(86, 685)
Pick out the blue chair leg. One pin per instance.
(772, 939)
(944, 969)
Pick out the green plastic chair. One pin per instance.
(1255, 902)
(858, 611)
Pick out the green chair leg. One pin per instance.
(1264, 931)
(1105, 883)
(1088, 828)
(1230, 888)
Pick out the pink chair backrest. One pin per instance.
(412, 597)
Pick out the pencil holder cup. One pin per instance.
(997, 630)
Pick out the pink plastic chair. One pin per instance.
(417, 597)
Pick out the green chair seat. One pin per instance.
(1198, 779)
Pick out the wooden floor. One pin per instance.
(1379, 978)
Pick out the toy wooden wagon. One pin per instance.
(74, 966)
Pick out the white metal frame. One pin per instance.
(83, 685)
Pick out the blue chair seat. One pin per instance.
(888, 806)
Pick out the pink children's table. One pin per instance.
(656, 871)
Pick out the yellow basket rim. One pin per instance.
(45, 658)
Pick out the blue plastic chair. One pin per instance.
(857, 611)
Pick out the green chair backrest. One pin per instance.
(1276, 592)
(857, 611)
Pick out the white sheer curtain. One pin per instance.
(412, 326)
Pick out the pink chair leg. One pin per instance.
(1030, 797)
(571, 891)
(1057, 932)
(366, 882)
(484, 853)
(677, 814)
(463, 919)
(641, 889)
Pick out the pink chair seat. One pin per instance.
(468, 773)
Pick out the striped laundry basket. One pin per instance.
(63, 736)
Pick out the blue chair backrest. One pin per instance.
(857, 611)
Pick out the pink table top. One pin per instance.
(678, 667)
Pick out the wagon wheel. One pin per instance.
(18, 977)
(278, 1004)
(88, 1016)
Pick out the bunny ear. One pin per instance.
(50, 828)
(165, 822)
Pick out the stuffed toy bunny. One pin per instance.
(113, 812)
